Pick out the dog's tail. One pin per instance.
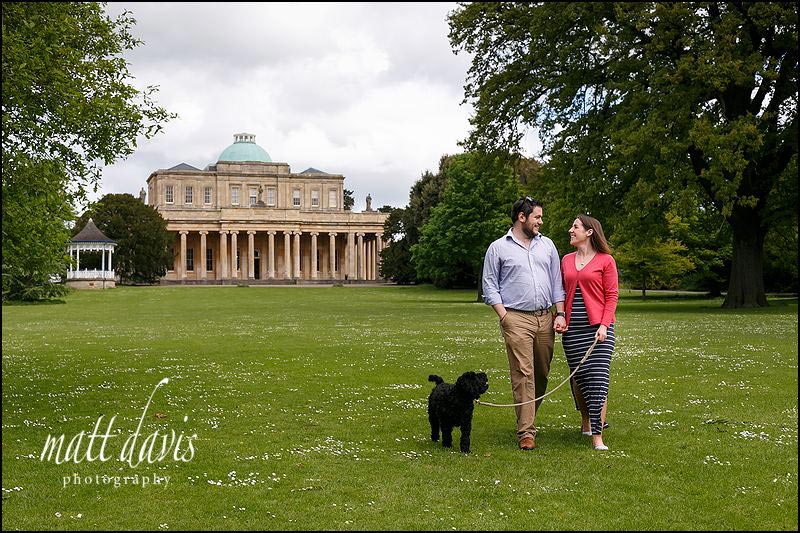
(436, 379)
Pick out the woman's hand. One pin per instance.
(601, 333)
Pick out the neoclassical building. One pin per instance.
(247, 218)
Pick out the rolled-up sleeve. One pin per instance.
(491, 277)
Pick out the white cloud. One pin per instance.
(371, 91)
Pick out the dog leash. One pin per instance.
(588, 352)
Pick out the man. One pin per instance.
(522, 281)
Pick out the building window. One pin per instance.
(235, 195)
(169, 194)
(209, 259)
(253, 195)
(189, 195)
(190, 260)
(336, 265)
(271, 196)
(332, 198)
(296, 198)
(314, 198)
(238, 261)
(207, 195)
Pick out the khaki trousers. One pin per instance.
(529, 343)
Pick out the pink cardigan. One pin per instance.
(599, 287)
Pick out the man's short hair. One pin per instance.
(524, 206)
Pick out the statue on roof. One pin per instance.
(369, 202)
(142, 195)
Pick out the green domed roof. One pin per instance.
(244, 148)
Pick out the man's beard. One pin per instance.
(528, 232)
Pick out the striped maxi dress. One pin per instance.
(592, 377)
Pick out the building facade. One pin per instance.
(249, 219)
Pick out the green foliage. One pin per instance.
(780, 257)
(650, 265)
(348, 201)
(395, 257)
(473, 212)
(142, 254)
(68, 109)
(35, 236)
(637, 103)
(403, 227)
(426, 193)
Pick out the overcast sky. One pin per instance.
(371, 91)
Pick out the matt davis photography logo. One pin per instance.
(137, 448)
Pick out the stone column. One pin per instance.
(379, 244)
(351, 256)
(287, 256)
(332, 260)
(271, 255)
(297, 272)
(251, 256)
(183, 253)
(367, 259)
(203, 266)
(223, 255)
(361, 263)
(371, 259)
(314, 264)
(234, 250)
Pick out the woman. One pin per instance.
(590, 281)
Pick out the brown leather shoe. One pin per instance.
(527, 443)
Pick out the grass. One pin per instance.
(309, 410)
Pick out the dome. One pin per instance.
(244, 148)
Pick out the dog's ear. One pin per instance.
(470, 383)
(465, 378)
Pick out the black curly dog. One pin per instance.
(451, 406)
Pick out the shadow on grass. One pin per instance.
(710, 306)
(13, 303)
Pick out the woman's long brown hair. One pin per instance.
(597, 237)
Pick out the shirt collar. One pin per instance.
(510, 234)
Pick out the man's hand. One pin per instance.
(560, 324)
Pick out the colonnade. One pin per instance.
(353, 256)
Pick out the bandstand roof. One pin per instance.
(91, 233)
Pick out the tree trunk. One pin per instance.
(644, 287)
(746, 284)
(480, 285)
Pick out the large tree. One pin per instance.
(142, 254)
(647, 99)
(34, 233)
(403, 226)
(396, 256)
(69, 108)
(475, 210)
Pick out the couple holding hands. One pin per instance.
(523, 278)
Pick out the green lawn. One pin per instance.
(309, 406)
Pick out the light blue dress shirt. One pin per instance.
(522, 278)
